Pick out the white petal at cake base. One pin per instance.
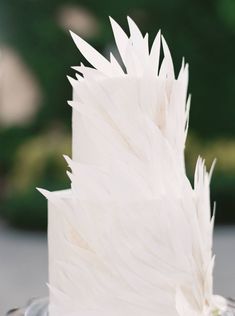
(132, 237)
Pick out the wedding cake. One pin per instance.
(132, 237)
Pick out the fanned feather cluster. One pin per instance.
(135, 236)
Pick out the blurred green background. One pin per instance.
(36, 55)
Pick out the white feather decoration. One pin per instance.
(131, 237)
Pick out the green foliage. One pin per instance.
(201, 30)
(37, 163)
(26, 210)
(10, 140)
(222, 193)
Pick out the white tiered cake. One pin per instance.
(131, 237)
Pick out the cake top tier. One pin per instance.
(134, 87)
